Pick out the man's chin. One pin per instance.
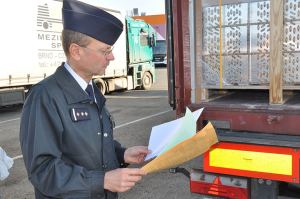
(100, 73)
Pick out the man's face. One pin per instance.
(95, 57)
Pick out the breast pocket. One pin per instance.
(81, 131)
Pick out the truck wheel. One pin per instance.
(101, 85)
(147, 81)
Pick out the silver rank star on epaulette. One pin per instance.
(79, 114)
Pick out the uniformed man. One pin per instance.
(66, 131)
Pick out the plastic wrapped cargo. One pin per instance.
(236, 46)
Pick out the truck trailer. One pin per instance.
(32, 50)
(158, 22)
(239, 59)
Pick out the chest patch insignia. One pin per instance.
(79, 114)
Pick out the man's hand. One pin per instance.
(136, 154)
(121, 180)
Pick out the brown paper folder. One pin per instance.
(184, 151)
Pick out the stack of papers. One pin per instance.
(165, 136)
(176, 142)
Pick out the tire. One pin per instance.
(101, 84)
(147, 81)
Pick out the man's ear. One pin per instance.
(75, 51)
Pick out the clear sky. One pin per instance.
(151, 7)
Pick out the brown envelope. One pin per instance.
(184, 151)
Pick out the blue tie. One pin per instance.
(90, 91)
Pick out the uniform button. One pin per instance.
(105, 134)
(104, 166)
(99, 133)
(101, 117)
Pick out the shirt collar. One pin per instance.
(72, 90)
(78, 79)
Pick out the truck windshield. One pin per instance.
(160, 47)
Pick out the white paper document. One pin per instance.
(167, 135)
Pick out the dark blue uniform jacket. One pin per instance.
(67, 140)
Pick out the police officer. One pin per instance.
(66, 131)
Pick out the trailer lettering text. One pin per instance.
(49, 37)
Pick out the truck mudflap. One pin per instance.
(219, 185)
(254, 161)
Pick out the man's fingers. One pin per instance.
(145, 150)
(125, 188)
(132, 178)
(141, 149)
(129, 180)
(131, 175)
(133, 171)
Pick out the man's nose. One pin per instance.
(111, 56)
